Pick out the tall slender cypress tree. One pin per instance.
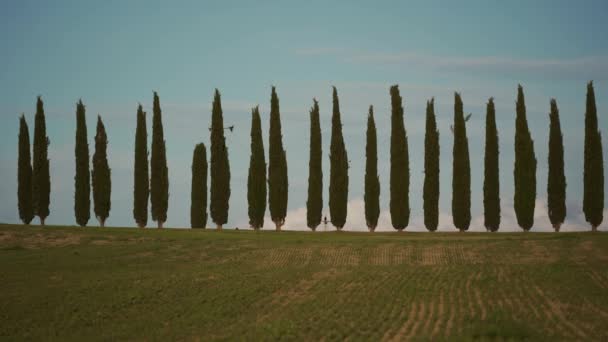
(431, 169)
(141, 188)
(159, 173)
(198, 204)
(41, 188)
(556, 181)
(314, 204)
(82, 185)
(338, 169)
(593, 176)
(220, 167)
(491, 183)
(101, 175)
(525, 167)
(24, 174)
(277, 166)
(256, 181)
(461, 172)
(372, 181)
(400, 168)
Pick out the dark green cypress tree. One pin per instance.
(101, 175)
(141, 189)
(220, 167)
(556, 181)
(491, 183)
(256, 181)
(593, 176)
(159, 173)
(400, 168)
(314, 204)
(24, 174)
(372, 181)
(41, 188)
(461, 172)
(277, 166)
(198, 204)
(82, 185)
(431, 169)
(338, 169)
(525, 167)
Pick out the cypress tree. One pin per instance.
(277, 166)
(461, 172)
(256, 181)
(198, 206)
(314, 204)
(24, 174)
(82, 185)
(491, 183)
(141, 188)
(41, 188)
(372, 181)
(431, 169)
(556, 181)
(338, 169)
(220, 167)
(593, 176)
(102, 183)
(159, 173)
(400, 168)
(525, 167)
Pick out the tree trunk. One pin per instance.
(219, 227)
(160, 224)
(557, 227)
(141, 226)
(278, 226)
(42, 221)
(593, 228)
(462, 230)
(400, 230)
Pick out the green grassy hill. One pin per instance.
(69, 283)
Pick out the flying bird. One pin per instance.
(466, 118)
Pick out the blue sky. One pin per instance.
(114, 54)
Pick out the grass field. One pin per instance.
(68, 283)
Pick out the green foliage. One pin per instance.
(41, 188)
(277, 166)
(159, 173)
(24, 174)
(461, 172)
(431, 169)
(593, 176)
(101, 175)
(525, 167)
(141, 188)
(556, 183)
(338, 169)
(198, 196)
(220, 166)
(314, 204)
(256, 181)
(400, 167)
(82, 179)
(372, 181)
(491, 182)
